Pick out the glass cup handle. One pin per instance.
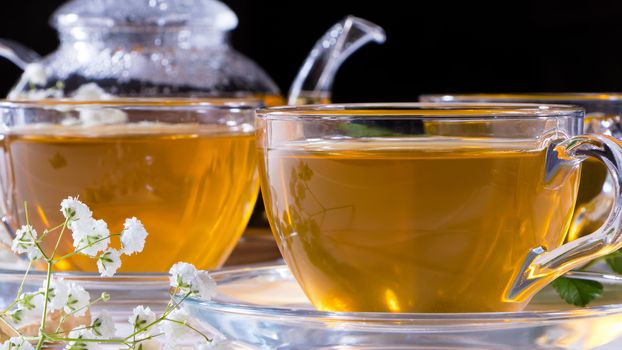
(541, 266)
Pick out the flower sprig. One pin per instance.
(59, 312)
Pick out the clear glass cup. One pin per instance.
(185, 168)
(429, 207)
(603, 115)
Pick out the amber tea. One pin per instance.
(193, 186)
(434, 226)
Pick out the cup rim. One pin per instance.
(554, 97)
(422, 110)
(166, 103)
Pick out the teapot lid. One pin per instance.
(212, 14)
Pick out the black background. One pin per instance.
(432, 46)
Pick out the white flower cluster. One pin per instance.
(150, 332)
(85, 337)
(16, 343)
(173, 325)
(25, 242)
(91, 236)
(68, 299)
(189, 280)
(64, 296)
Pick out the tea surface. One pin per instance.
(414, 226)
(192, 186)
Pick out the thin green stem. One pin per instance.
(15, 302)
(26, 212)
(44, 314)
(9, 307)
(46, 232)
(78, 309)
(60, 236)
(60, 324)
(191, 327)
(164, 315)
(168, 305)
(52, 338)
(76, 252)
(21, 285)
(45, 257)
(134, 337)
(19, 291)
(59, 331)
(133, 345)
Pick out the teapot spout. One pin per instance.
(17, 53)
(314, 81)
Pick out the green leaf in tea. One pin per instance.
(614, 260)
(576, 291)
(360, 130)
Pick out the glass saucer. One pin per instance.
(126, 290)
(263, 308)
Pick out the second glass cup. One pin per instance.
(185, 168)
(429, 207)
(603, 115)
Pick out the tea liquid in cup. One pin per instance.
(603, 113)
(420, 207)
(186, 169)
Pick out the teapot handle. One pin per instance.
(17, 53)
(314, 81)
(541, 266)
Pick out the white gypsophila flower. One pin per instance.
(80, 229)
(57, 294)
(74, 210)
(25, 242)
(90, 236)
(174, 325)
(206, 285)
(36, 74)
(109, 262)
(103, 326)
(181, 275)
(133, 236)
(16, 343)
(78, 334)
(78, 300)
(31, 303)
(141, 317)
(189, 280)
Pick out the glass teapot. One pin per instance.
(172, 48)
